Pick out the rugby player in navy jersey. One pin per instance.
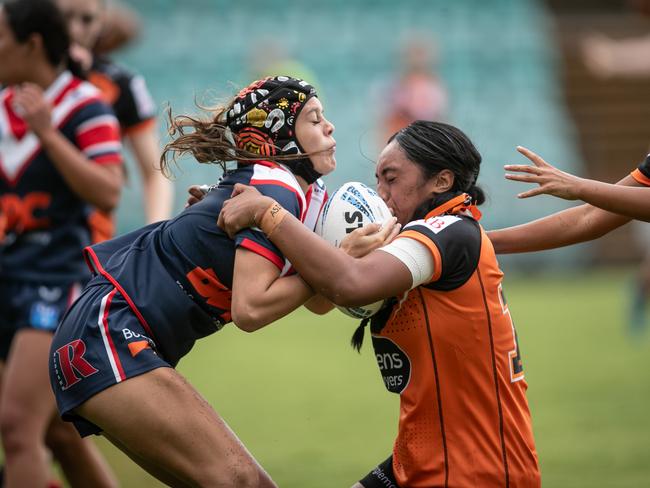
(159, 289)
(59, 155)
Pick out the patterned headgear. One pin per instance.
(263, 118)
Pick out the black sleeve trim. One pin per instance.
(460, 249)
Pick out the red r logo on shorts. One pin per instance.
(71, 362)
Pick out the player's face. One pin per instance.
(14, 55)
(314, 132)
(401, 184)
(84, 18)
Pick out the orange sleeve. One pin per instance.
(640, 177)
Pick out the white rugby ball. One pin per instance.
(352, 206)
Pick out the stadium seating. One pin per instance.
(497, 60)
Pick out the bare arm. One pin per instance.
(259, 295)
(621, 198)
(357, 244)
(99, 185)
(158, 190)
(342, 279)
(571, 226)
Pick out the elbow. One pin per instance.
(247, 318)
(344, 291)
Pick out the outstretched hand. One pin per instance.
(551, 180)
(366, 239)
(242, 209)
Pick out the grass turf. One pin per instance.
(316, 414)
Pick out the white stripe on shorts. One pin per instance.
(103, 326)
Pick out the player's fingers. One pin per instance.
(534, 157)
(523, 178)
(221, 220)
(532, 193)
(191, 201)
(387, 228)
(395, 230)
(240, 188)
(195, 191)
(523, 168)
(368, 229)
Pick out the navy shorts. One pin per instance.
(32, 305)
(381, 477)
(99, 343)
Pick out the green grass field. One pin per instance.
(316, 415)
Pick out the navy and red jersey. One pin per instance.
(126, 92)
(46, 223)
(176, 275)
(450, 350)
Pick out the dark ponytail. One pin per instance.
(42, 17)
(435, 146)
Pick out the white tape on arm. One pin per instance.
(415, 256)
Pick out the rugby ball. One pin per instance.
(351, 207)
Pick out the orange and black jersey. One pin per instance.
(642, 173)
(450, 350)
(126, 92)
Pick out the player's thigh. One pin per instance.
(159, 417)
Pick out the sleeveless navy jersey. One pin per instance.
(45, 221)
(176, 275)
(126, 92)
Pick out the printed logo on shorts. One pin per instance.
(394, 364)
(141, 343)
(70, 366)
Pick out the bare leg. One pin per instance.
(166, 426)
(26, 409)
(80, 460)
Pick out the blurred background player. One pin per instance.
(417, 92)
(629, 57)
(59, 155)
(128, 95)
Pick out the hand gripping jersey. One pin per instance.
(46, 223)
(449, 349)
(176, 275)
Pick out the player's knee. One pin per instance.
(15, 429)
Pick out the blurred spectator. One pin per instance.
(630, 57)
(130, 99)
(121, 25)
(417, 92)
(607, 57)
(269, 57)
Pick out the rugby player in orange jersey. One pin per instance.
(446, 344)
